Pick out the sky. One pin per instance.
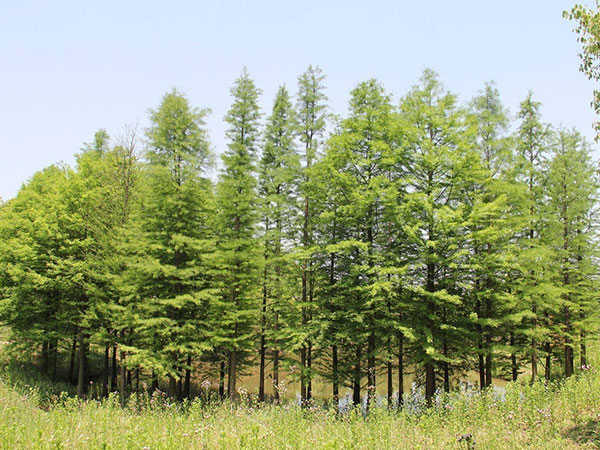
(69, 68)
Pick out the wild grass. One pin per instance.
(35, 414)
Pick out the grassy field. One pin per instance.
(34, 414)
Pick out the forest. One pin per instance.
(420, 235)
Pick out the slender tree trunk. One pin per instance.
(357, 376)
(548, 368)
(232, 373)
(72, 361)
(309, 368)
(53, 357)
(534, 371)
(276, 375)
(45, 357)
(371, 381)
(429, 382)
(123, 374)
(188, 377)
(222, 381)
(106, 370)
(513, 357)
(263, 326)
(172, 386)
(335, 369)
(583, 351)
(179, 388)
(400, 370)
(263, 350)
(390, 378)
(81, 382)
(446, 366)
(113, 369)
(303, 374)
(480, 356)
(488, 339)
(137, 379)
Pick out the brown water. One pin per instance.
(322, 388)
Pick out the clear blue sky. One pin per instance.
(71, 67)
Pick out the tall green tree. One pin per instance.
(279, 170)
(171, 252)
(311, 110)
(238, 259)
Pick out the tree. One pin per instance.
(357, 158)
(170, 253)
(278, 179)
(238, 260)
(587, 29)
(440, 166)
(311, 113)
(572, 188)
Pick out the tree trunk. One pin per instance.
(371, 381)
(123, 380)
(583, 351)
(548, 351)
(232, 373)
(303, 375)
(113, 370)
(188, 377)
(390, 378)
(429, 382)
(357, 376)
(81, 382)
(45, 357)
(309, 373)
(154, 385)
(106, 370)
(400, 370)
(222, 381)
(172, 386)
(72, 361)
(513, 358)
(276, 375)
(335, 370)
(568, 346)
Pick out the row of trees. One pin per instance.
(429, 236)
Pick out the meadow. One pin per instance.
(37, 413)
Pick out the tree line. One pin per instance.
(425, 235)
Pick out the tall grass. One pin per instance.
(561, 415)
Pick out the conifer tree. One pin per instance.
(311, 112)
(278, 180)
(238, 258)
(170, 255)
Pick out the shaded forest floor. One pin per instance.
(35, 414)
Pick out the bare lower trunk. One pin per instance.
(429, 382)
(336, 387)
(123, 374)
(81, 382)
(356, 385)
(113, 369)
(188, 377)
(106, 370)
(72, 361)
(232, 373)
(371, 382)
(172, 386)
(513, 358)
(400, 370)
(309, 367)
(222, 381)
(303, 375)
(276, 375)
